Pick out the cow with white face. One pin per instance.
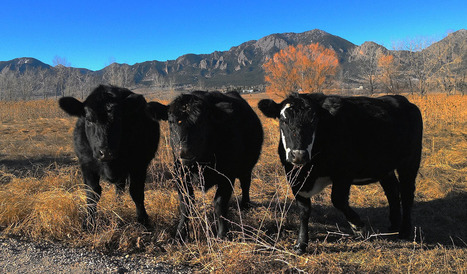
(298, 126)
(341, 141)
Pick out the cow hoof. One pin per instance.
(300, 248)
(145, 222)
(393, 229)
(89, 225)
(246, 205)
(221, 234)
(406, 231)
(404, 235)
(147, 225)
(181, 236)
(359, 231)
(179, 240)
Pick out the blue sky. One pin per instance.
(92, 34)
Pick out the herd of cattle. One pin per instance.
(217, 137)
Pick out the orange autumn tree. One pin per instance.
(301, 68)
(388, 72)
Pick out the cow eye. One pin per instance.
(90, 118)
(178, 122)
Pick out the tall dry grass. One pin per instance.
(42, 198)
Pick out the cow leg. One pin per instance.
(390, 186)
(137, 180)
(304, 205)
(120, 187)
(340, 200)
(221, 206)
(186, 197)
(245, 182)
(93, 195)
(407, 185)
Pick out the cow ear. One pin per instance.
(157, 111)
(269, 108)
(134, 102)
(71, 106)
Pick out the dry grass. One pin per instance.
(41, 198)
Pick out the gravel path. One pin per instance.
(17, 256)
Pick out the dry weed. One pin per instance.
(41, 198)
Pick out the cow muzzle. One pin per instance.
(105, 155)
(299, 157)
(186, 157)
(187, 161)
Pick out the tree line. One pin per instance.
(60, 80)
(412, 67)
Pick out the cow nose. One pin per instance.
(105, 155)
(299, 157)
(185, 154)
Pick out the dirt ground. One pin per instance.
(20, 256)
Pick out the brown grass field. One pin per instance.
(42, 199)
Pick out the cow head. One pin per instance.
(193, 123)
(105, 112)
(298, 121)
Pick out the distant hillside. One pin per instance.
(23, 64)
(452, 50)
(242, 65)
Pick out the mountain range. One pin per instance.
(242, 65)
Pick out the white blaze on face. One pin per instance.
(310, 146)
(319, 185)
(283, 110)
(287, 150)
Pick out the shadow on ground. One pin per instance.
(35, 166)
(440, 221)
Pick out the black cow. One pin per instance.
(115, 138)
(215, 138)
(347, 141)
